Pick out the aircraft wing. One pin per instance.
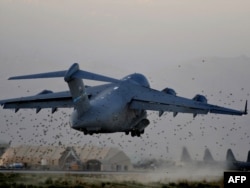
(150, 99)
(48, 99)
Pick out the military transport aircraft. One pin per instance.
(119, 106)
(233, 164)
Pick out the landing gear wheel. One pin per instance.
(138, 133)
(135, 133)
(132, 133)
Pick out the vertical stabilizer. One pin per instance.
(208, 156)
(230, 155)
(185, 157)
(248, 157)
(77, 90)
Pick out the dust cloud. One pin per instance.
(174, 174)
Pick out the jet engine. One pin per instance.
(200, 98)
(43, 93)
(170, 92)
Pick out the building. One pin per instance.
(3, 146)
(89, 158)
(103, 159)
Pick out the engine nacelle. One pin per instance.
(169, 91)
(43, 93)
(200, 98)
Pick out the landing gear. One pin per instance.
(87, 133)
(139, 128)
(136, 133)
(133, 133)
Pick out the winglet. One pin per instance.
(245, 111)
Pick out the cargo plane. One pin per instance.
(120, 105)
(234, 164)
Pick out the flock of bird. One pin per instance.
(164, 136)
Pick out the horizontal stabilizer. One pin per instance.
(92, 76)
(77, 74)
(41, 75)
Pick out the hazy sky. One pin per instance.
(160, 38)
(133, 32)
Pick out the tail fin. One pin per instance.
(185, 157)
(208, 156)
(248, 157)
(77, 90)
(230, 155)
(73, 76)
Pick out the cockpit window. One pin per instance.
(138, 78)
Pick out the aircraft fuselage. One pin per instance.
(109, 112)
(119, 106)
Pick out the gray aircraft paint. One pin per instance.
(118, 107)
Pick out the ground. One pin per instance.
(120, 180)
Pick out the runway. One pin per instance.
(170, 174)
(73, 172)
(136, 179)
